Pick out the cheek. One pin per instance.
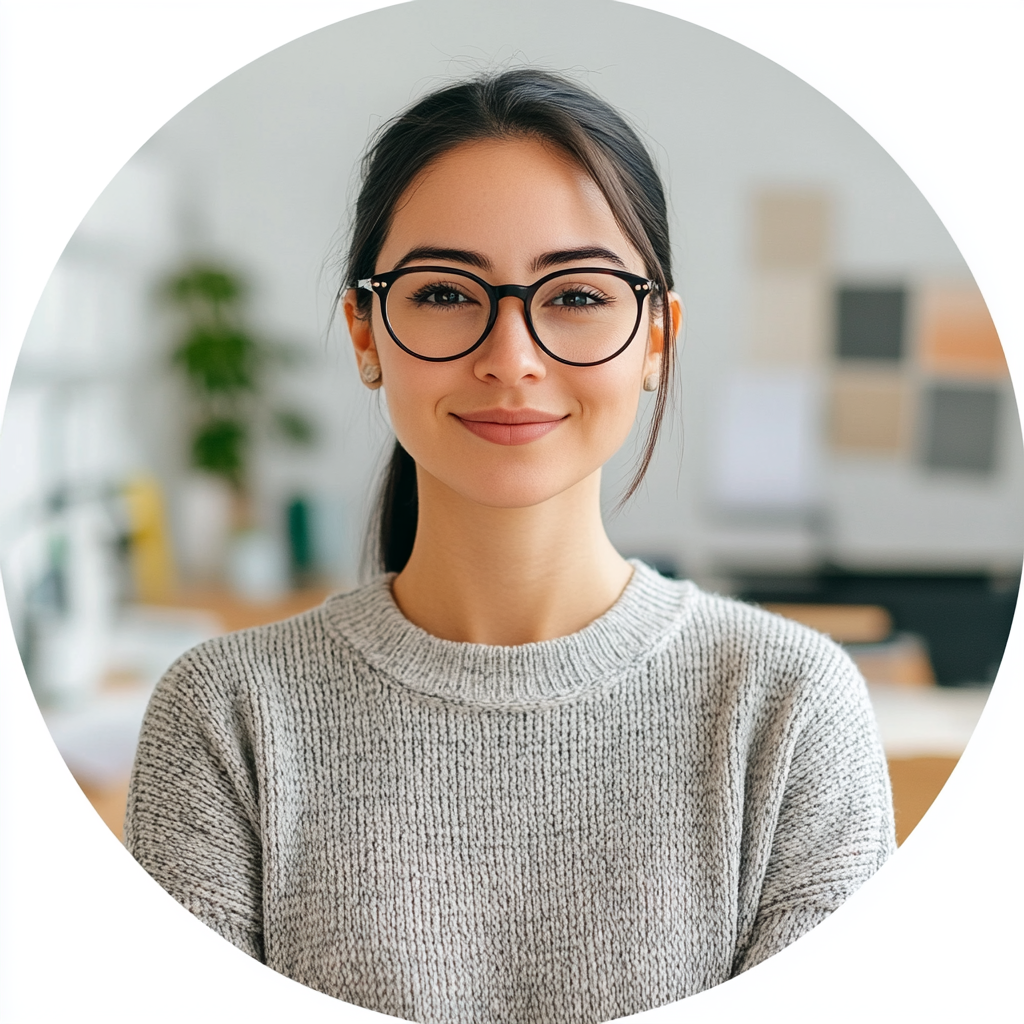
(411, 396)
(610, 393)
(609, 401)
(407, 381)
(415, 391)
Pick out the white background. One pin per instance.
(86, 935)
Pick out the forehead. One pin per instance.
(501, 197)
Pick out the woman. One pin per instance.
(516, 777)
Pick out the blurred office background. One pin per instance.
(186, 448)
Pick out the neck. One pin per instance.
(509, 576)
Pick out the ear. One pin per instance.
(360, 331)
(656, 344)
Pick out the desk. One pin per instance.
(924, 731)
(232, 612)
(98, 740)
(916, 782)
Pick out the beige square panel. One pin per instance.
(792, 229)
(956, 334)
(869, 413)
(789, 317)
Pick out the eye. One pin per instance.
(577, 298)
(441, 294)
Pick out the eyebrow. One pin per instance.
(433, 252)
(470, 258)
(588, 252)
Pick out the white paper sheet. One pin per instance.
(768, 440)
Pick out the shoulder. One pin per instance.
(756, 659)
(788, 696)
(228, 669)
(715, 634)
(295, 654)
(732, 628)
(751, 631)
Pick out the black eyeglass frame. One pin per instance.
(380, 285)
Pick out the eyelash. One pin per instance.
(600, 300)
(422, 297)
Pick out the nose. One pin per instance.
(509, 355)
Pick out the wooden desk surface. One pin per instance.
(235, 613)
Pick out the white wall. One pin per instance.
(262, 168)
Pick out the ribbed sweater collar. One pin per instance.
(551, 671)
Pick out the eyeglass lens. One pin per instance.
(580, 317)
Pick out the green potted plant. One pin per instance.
(226, 369)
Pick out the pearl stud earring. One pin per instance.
(651, 381)
(370, 373)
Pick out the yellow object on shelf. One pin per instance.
(151, 558)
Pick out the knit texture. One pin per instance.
(562, 832)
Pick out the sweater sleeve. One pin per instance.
(834, 826)
(193, 811)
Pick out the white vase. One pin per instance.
(258, 566)
(72, 644)
(205, 508)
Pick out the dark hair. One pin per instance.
(521, 103)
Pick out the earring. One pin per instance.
(370, 373)
(651, 381)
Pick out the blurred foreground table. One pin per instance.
(90, 737)
(234, 612)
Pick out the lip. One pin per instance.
(509, 426)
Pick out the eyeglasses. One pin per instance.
(583, 316)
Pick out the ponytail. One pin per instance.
(395, 514)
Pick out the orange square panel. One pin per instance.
(957, 336)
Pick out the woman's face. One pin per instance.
(509, 212)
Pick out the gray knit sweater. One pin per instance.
(566, 831)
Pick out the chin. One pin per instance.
(512, 487)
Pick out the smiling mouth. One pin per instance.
(510, 426)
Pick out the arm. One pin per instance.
(193, 811)
(834, 826)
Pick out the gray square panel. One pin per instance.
(962, 427)
(871, 322)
